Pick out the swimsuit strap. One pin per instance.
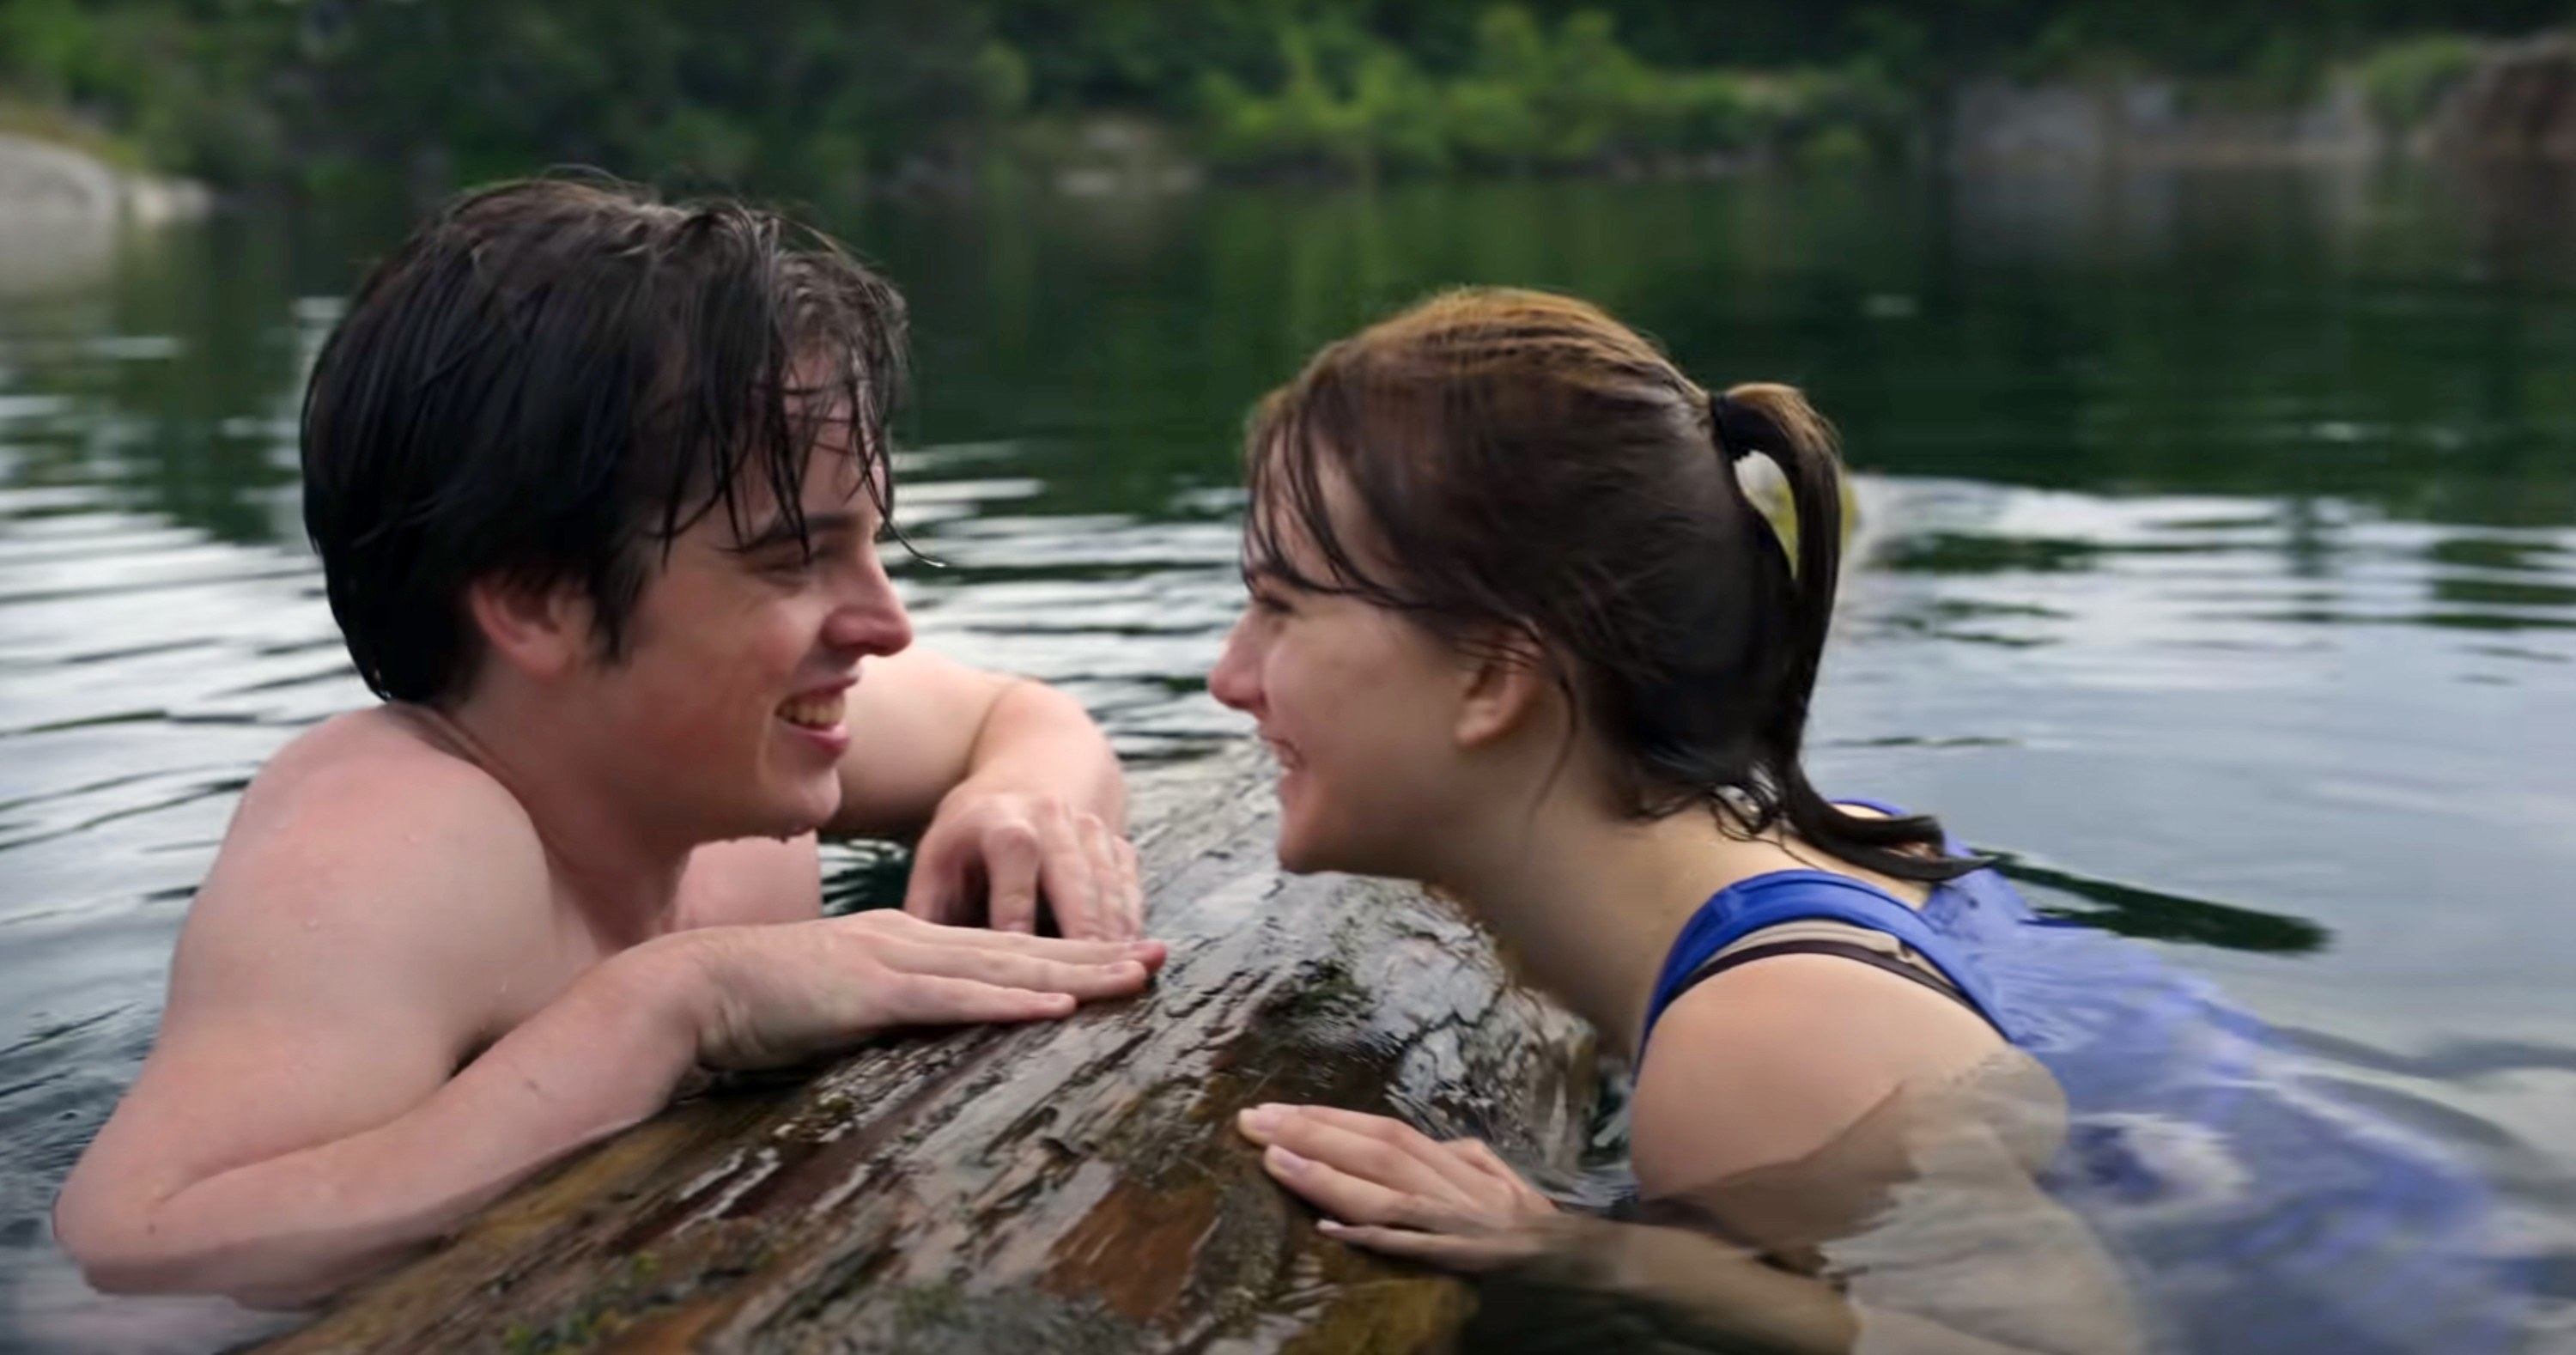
(1849, 950)
(1763, 901)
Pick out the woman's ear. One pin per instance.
(1507, 684)
(543, 630)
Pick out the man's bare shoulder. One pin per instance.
(383, 746)
(367, 839)
(379, 910)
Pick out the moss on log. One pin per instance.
(1070, 1187)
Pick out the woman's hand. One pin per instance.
(1388, 1187)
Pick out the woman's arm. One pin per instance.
(1960, 1254)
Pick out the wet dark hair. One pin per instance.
(1525, 466)
(550, 378)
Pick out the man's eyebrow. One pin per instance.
(778, 531)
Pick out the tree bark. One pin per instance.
(1076, 1186)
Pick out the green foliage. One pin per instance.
(817, 97)
(2403, 80)
(1527, 96)
(166, 78)
(51, 122)
(1346, 102)
(806, 94)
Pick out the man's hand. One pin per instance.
(1013, 789)
(989, 855)
(777, 994)
(1389, 1187)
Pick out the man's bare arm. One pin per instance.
(303, 1118)
(1020, 791)
(922, 725)
(284, 1230)
(363, 929)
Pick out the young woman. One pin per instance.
(1517, 632)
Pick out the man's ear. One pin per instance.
(543, 630)
(1507, 684)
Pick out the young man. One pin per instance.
(596, 484)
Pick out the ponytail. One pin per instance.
(1777, 421)
(1523, 461)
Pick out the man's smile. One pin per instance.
(814, 712)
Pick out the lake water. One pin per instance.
(2218, 564)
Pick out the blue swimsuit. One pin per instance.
(2252, 1211)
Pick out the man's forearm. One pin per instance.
(1038, 739)
(285, 1231)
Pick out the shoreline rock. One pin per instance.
(1996, 125)
(44, 182)
(2518, 103)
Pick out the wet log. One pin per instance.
(1070, 1187)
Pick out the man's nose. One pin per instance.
(1235, 681)
(869, 617)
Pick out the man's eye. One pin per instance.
(789, 562)
(1271, 604)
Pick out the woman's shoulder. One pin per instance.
(1767, 1062)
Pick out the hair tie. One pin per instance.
(1731, 444)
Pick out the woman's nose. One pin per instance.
(1235, 681)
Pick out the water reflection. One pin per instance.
(42, 256)
(1920, 1229)
(2154, 914)
(2218, 561)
